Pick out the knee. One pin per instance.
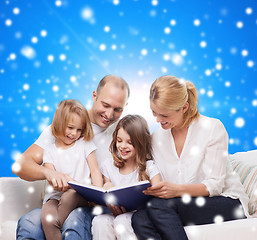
(50, 221)
(162, 204)
(138, 219)
(29, 226)
(121, 222)
(102, 220)
(68, 197)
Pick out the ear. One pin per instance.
(94, 96)
(185, 107)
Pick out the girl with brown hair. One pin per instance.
(132, 153)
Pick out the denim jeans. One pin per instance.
(165, 218)
(77, 226)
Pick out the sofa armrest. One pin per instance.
(17, 197)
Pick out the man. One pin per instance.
(109, 101)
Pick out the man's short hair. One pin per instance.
(116, 80)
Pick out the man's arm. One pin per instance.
(29, 168)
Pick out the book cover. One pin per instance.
(130, 196)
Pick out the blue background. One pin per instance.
(53, 50)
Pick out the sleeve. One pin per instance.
(46, 138)
(47, 156)
(106, 168)
(89, 147)
(215, 161)
(151, 169)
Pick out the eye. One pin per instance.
(69, 127)
(105, 105)
(118, 109)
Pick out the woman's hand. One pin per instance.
(163, 190)
(116, 210)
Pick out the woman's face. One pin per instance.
(168, 119)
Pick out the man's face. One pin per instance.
(108, 105)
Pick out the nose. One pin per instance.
(158, 119)
(123, 145)
(109, 113)
(74, 131)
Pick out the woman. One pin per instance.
(190, 151)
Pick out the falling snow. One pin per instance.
(48, 53)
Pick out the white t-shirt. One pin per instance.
(203, 159)
(71, 161)
(113, 173)
(102, 139)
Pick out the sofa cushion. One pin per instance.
(247, 170)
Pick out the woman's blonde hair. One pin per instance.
(137, 128)
(62, 116)
(171, 93)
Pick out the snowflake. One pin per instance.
(239, 122)
(186, 198)
(197, 22)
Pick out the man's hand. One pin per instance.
(58, 180)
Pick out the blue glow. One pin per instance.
(53, 50)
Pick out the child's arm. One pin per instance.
(156, 179)
(114, 209)
(95, 172)
(107, 183)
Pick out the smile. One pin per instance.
(123, 153)
(105, 119)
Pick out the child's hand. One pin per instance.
(116, 210)
(108, 185)
(58, 180)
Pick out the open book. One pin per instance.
(129, 196)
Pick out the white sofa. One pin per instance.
(17, 197)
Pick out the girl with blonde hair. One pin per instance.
(190, 151)
(72, 154)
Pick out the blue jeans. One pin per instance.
(76, 226)
(165, 218)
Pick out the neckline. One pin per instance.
(66, 149)
(185, 143)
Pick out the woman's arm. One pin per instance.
(95, 172)
(171, 190)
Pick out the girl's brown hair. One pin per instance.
(171, 93)
(62, 115)
(137, 128)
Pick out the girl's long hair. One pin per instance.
(137, 128)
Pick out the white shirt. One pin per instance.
(202, 160)
(71, 161)
(102, 139)
(114, 175)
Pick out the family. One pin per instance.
(185, 160)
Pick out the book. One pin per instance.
(129, 196)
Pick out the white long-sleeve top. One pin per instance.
(202, 160)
